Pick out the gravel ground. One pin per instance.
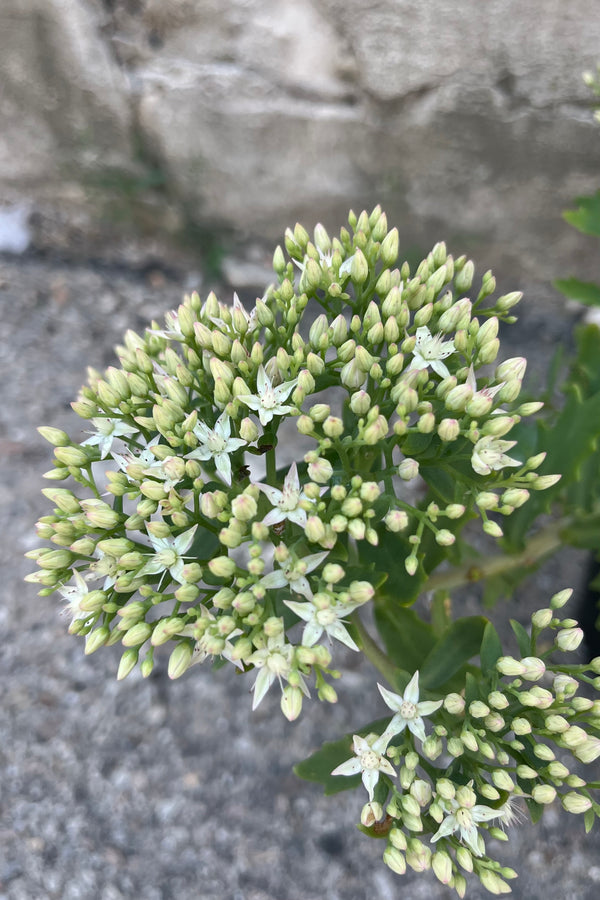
(158, 790)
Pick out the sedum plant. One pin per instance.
(262, 486)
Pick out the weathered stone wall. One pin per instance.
(467, 120)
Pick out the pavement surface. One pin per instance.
(153, 790)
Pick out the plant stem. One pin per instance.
(271, 467)
(373, 651)
(545, 541)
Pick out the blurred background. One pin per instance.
(148, 147)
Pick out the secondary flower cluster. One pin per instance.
(502, 743)
(174, 532)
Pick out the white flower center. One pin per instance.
(277, 664)
(289, 499)
(167, 558)
(463, 816)
(408, 710)
(369, 760)
(268, 399)
(326, 617)
(216, 443)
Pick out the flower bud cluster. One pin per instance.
(169, 532)
(517, 737)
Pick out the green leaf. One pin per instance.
(491, 649)
(535, 810)
(523, 639)
(586, 218)
(319, 766)
(583, 291)
(589, 818)
(458, 644)
(407, 638)
(388, 559)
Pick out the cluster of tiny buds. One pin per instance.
(509, 742)
(175, 512)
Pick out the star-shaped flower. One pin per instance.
(107, 430)
(274, 661)
(464, 819)
(321, 619)
(168, 556)
(293, 574)
(144, 457)
(249, 317)
(74, 594)
(488, 455)
(408, 710)
(106, 567)
(368, 760)
(211, 640)
(268, 400)
(430, 350)
(172, 327)
(326, 259)
(286, 502)
(216, 443)
(169, 470)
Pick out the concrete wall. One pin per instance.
(466, 120)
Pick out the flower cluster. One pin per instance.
(195, 544)
(514, 737)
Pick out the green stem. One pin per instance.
(271, 467)
(373, 651)
(544, 542)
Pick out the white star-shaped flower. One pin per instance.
(249, 317)
(408, 710)
(172, 328)
(323, 619)
(168, 470)
(106, 567)
(369, 761)
(107, 430)
(465, 819)
(286, 503)
(268, 400)
(326, 259)
(488, 455)
(168, 556)
(216, 443)
(205, 646)
(274, 661)
(144, 457)
(430, 350)
(293, 573)
(74, 594)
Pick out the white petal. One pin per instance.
(370, 777)
(274, 495)
(183, 542)
(438, 366)
(314, 560)
(304, 611)
(428, 706)
(297, 516)
(262, 380)
(448, 826)
(417, 727)
(274, 579)
(484, 813)
(274, 517)
(311, 634)
(411, 692)
(301, 586)
(291, 481)
(262, 684)
(394, 701)
(339, 632)
(223, 464)
(350, 767)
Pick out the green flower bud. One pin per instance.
(561, 598)
(464, 279)
(388, 252)
(458, 397)
(54, 436)
(96, 639)
(394, 860)
(359, 270)
(396, 520)
(408, 469)
(575, 803)
(100, 514)
(222, 567)
(568, 639)
(464, 858)
(127, 664)
(542, 751)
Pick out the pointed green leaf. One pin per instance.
(589, 818)
(535, 810)
(523, 639)
(491, 649)
(407, 638)
(459, 643)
